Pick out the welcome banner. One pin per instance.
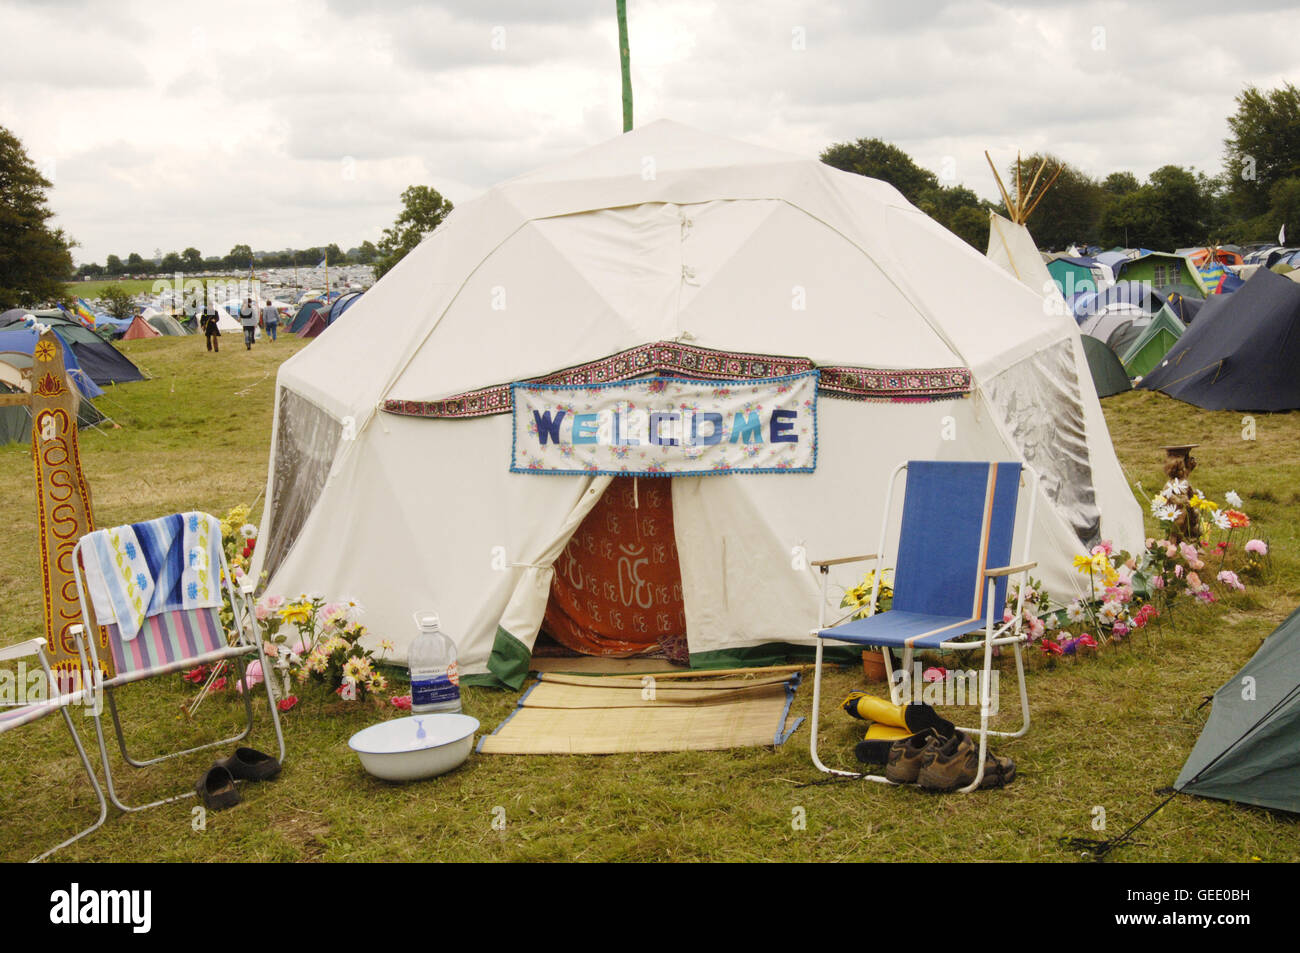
(667, 426)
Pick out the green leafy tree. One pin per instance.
(35, 259)
(192, 259)
(366, 253)
(423, 210)
(117, 302)
(134, 263)
(1120, 183)
(239, 257)
(877, 159)
(172, 263)
(1263, 147)
(1070, 211)
(113, 265)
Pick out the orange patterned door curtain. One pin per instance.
(617, 589)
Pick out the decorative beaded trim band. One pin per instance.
(667, 357)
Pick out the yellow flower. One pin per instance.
(296, 613)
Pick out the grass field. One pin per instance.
(1107, 731)
(90, 290)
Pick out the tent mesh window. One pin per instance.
(1042, 408)
(306, 441)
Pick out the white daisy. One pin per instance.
(1232, 498)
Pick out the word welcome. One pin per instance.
(661, 426)
(634, 428)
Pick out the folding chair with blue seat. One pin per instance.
(950, 579)
(57, 700)
(157, 589)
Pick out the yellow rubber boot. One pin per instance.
(871, 708)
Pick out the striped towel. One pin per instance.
(142, 569)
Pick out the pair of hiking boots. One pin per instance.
(918, 746)
(935, 763)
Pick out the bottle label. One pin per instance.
(436, 689)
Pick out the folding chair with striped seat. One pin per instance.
(950, 579)
(60, 701)
(166, 639)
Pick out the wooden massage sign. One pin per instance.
(62, 498)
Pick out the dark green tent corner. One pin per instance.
(1249, 750)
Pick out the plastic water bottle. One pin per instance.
(435, 681)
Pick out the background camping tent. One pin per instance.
(1107, 373)
(1117, 325)
(304, 314)
(1242, 351)
(98, 359)
(140, 328)
(315, 324)
(1249, 750)
(1074, 275)
(18, 344)
(1162, 270)
(1012, 247)
(598, 259)
(1123, 292)
(16, 421)
(341, 304)
(1152, 344)
(166, 324)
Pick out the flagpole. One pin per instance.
(327, 274)
(623, 58)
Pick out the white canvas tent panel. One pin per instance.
(728, 247)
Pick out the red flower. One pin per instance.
(1087, 640)
(248, 548)
(284, 704)
(219, 684)
(401, 701)
(196, 675)
(1051, 648)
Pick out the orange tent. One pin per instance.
(140, 328)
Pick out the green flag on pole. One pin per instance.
(623, 62)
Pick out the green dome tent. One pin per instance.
(1248, 751)
(1107, 372)
(1153, 343)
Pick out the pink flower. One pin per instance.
(401, 701)
(252, 676)
(1087, 640)
(284, 704)
(1178, 571)
(1006, 615)
(274, 602)
(1171, 551)
(1229, 579)
(935, 673)
(1193, 581)
(1103, 547)
(1158, 582)
(1257, 546)
(262, 612)
(1119, 630)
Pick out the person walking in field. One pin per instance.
(248, 316)
(208, 321)
(270, 319)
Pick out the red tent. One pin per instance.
(140, 328)
(315, 326)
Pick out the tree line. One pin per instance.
(1256, 193)
(191, 260)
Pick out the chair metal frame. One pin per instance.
(994, 634)
(248, 641)
(61, 701)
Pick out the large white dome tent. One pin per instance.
(390, 480)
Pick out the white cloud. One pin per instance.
(207, 123)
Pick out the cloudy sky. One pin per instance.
(281, 123)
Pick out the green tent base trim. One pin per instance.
(774, 653)
(511, 660)
(508, 663)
